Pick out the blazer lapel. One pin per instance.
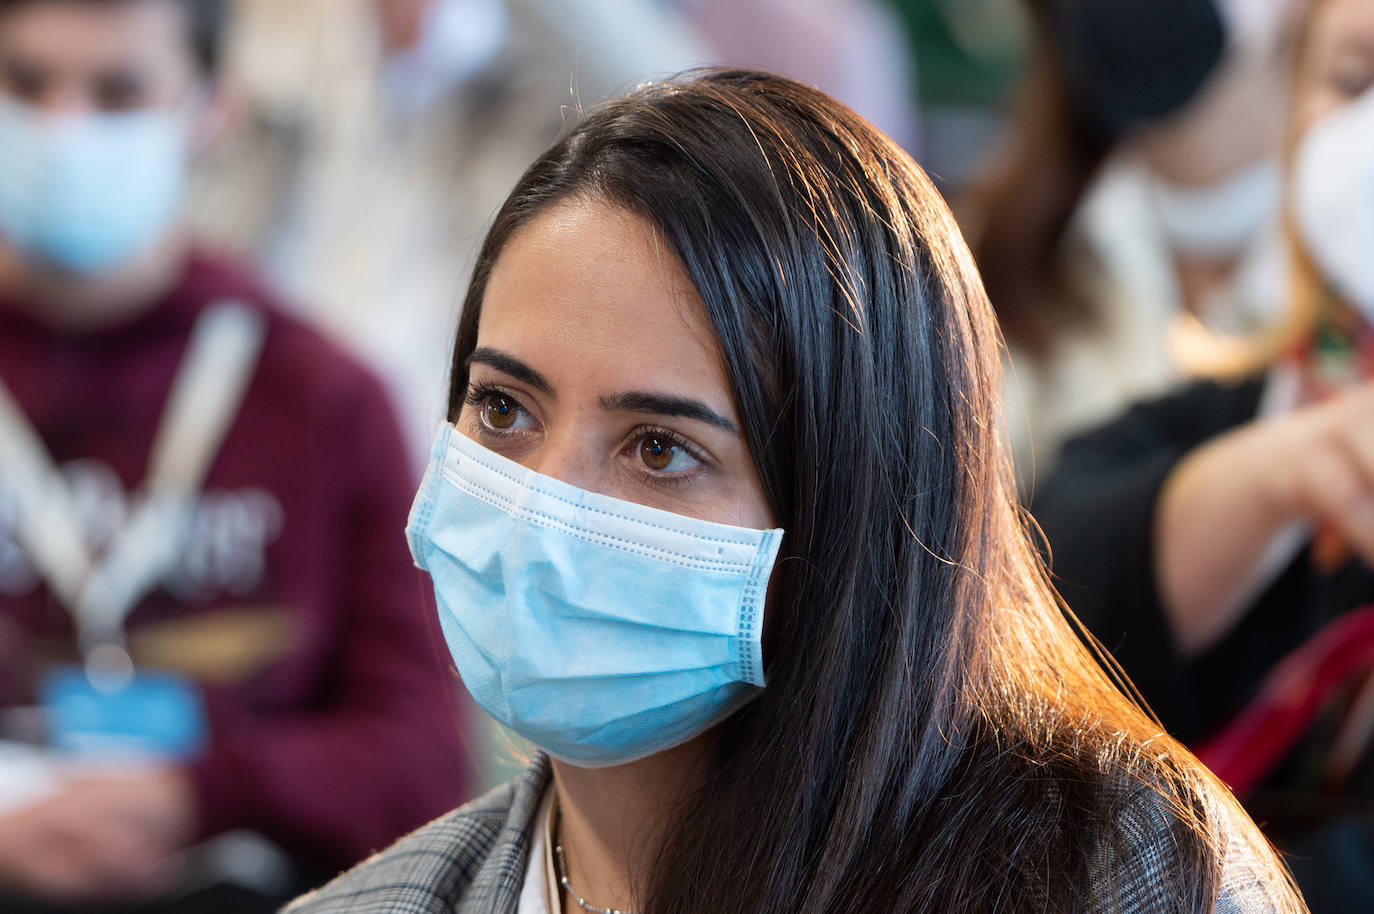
(496, 887)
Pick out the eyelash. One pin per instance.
(667, 479)
(478, 394)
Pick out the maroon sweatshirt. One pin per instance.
(331, 706)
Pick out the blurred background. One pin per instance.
(220, 678)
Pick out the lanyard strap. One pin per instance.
(44, 518)
(205, 397)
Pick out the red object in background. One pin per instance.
(1293, 695)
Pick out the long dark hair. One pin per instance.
(933, 736)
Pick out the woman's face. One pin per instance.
(596, 364)
(1338, 63)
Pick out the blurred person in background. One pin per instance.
(1130, 231)
(201, 501)
(722, 523)
(1220, 540)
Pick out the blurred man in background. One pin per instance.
(205, 597)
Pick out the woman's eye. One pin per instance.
(501, 412)
(663, 454)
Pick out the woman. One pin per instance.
(722, 306)
(1208, 535)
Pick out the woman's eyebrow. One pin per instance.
(505, 362)
(666, 405)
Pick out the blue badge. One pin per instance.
(152, 714)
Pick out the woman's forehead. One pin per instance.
(589, 288)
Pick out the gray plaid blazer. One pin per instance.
(472, 861)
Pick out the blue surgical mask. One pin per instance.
(1333, 199)
(601, 630)
(89, 192)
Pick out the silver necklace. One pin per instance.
(582, 903)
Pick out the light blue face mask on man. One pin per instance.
(88, 192)
(601, 630)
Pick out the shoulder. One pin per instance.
(419, 874)
(431, 869)
(1153, 843)
(1251, 879)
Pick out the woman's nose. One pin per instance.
(570, 460)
